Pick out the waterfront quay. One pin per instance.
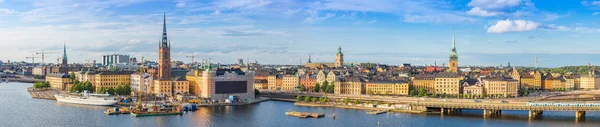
(490, 107)
(42, 93)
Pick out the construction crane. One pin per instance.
(43, 54)
(32, 58)
(58, 60)
(191, 56)
(88, 62)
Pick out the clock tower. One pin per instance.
(453, 65)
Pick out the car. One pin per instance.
(476, 101)
(422, 99)
(504, 101)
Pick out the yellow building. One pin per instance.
(387, 88)
(350, 85)
(538, 80)
(170, 87)
(424, 81)
(589, 82)
(504, 86)
(59, 81)
(554, 83)
(527, 81)
(272, 82)
(110, 79)
(447, 82)
(290, 82)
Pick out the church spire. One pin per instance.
(164, 42)
(309, 59)
(453, 41)
(64, 51)
(340, 51)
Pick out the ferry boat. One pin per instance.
(87, 99)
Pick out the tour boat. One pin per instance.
(87, 99)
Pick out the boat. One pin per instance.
(117, 110)
(87, 99)
(140, 110)
(158, 113)
(304, 114)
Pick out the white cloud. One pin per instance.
(596, 13)
(180, 4)
(503, 26)
(291, 12)
(4, 11)
(476, 11)
(494, 4)
(217, 12)
(314, 16)
(1, 1)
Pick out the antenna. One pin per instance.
(536, 62)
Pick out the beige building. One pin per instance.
(350, 85)
(476, 89)
(290, 82)
(272, 82)
(387, 88)
(219, 84)
(110, 79)
(589, 82)
(447, 82)
(59, 81)
(166, 87)
(424, 81)
(500, 86)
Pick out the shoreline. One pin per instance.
(354, 107)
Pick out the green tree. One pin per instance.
(324, 86)
(422, 92)
(111, 90)
(127, 90)
(72, 76)
(302, 88)
(314, 99)
(101, 90)
(306, 98)
(347, 100)
(256, 93)
(298, 98)
(412, 93)
(329, 89)
(317, 87)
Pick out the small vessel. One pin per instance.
(304, 114)
(87, 99)
(117, 110)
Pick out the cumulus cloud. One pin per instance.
(590, 3)
(180, 4)
(476, 11)
(596, 13)
(503, 26)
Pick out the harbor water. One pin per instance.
(19, 109)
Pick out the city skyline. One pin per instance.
(283, 32)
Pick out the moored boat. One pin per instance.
(87, 99)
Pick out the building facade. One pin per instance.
(114, 59)
(290, 82)
(425, 81)
(219, 84)
(59, 81)
(350, 85)
(501, 85)
(447, 82)
(339, 58)
(387, 87)
(109, 79)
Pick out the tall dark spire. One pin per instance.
(164, 42)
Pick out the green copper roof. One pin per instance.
(340, 51)
(64, 52)
(453, 54)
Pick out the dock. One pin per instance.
(377, 112)
(304, 114)
(41, 93)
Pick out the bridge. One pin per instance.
(446, 105)
(535, 108)
(19, 78)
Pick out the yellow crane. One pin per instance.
(140, 93)
(32, 58)
(43, 54)
(58, 60)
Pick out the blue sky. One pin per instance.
(488, 32)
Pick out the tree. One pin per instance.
(111, 91)
(329, 89)
(306, 98)
(126, 90)
(72, 76)
(412, 93)
(302, 88)
(317, 87)
(314, 99)
(347, 100)
(101, 90)
(324, 86)
(298, 98)
(422, 92)
(256, 93)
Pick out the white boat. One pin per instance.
(87, 99)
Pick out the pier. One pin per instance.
(377, 112)
(304, 114)
(47, 94)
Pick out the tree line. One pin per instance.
(326, 87)
(41, 85)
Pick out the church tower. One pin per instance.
(339, 58)
(453, 64)
(164, 55)
(64, 58)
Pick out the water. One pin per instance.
(18, 109)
